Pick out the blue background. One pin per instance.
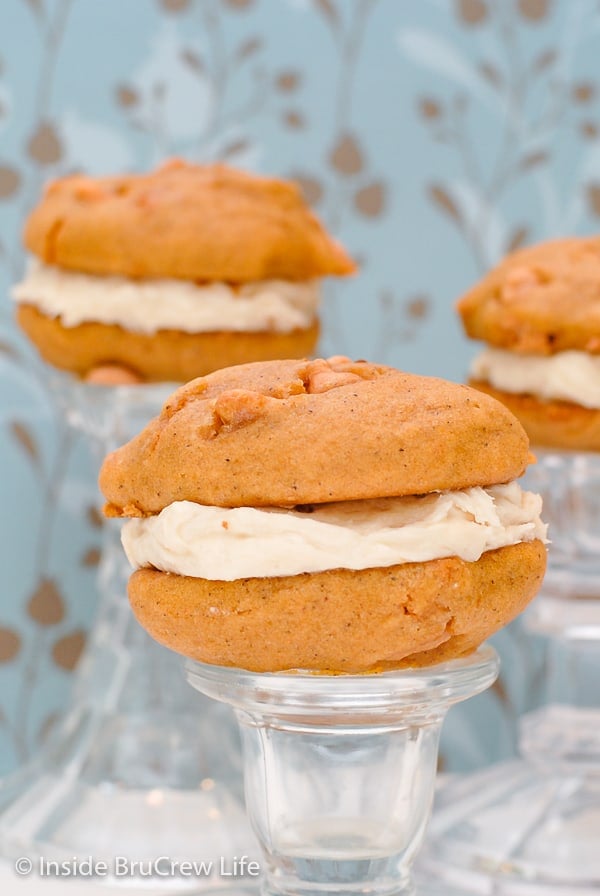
(431, 136)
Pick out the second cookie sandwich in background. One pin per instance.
(327, 515)
(175, 273)
(539, 312)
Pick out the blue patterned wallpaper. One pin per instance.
(431, 136)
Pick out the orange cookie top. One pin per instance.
(540, 300)
(287, 433)
(183, 221)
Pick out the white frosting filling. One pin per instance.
(146, 306)
(565, 376)
(246, 542)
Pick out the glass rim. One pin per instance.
(440, 684)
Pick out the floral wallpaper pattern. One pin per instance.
(431, 137)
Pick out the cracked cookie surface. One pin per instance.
(284, 433)
(183, 221)
(539, 300)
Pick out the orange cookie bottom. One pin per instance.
(165, 356)
(550, 424)
(414, 614)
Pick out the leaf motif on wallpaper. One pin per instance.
(400, 319)
(194, 61)
(91, 557)
(471, 12)
(175, 5)
(5, 347)
(589, 130)
(370, 200)
(94, 517)
(418, 307)
(545, 60)
(10, 181)
(294, 120)
(444, 201)
(26, 441)
(312, 189)
(46, 605)
(127, 96)
(429, 108)
(329, 11)
(44, 145)
(534, 10)
(10, 644)
(238, 5)
(517, 239)
(36, 6)
(67, 650)
(234, 148)
(288, 81)
(593, 197)
(47, 727)
(491, 74)
(346, 157)
(533, 160)
(248, 48)
(583, 93)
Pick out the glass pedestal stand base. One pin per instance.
(531, 827)
(140, 767)
(340, 770)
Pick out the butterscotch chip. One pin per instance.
(341, 620)
(167, 355)
(302, 432)
(183, 221)
(540, 300)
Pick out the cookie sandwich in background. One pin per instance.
(172, 274)
(539, 313)
(328, 515)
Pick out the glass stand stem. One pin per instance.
(340, 770)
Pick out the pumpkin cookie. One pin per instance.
(539, 312)
(327, 515)
(175, 273)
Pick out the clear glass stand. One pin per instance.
(532, 826)
(140, 766)
(340, 769)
